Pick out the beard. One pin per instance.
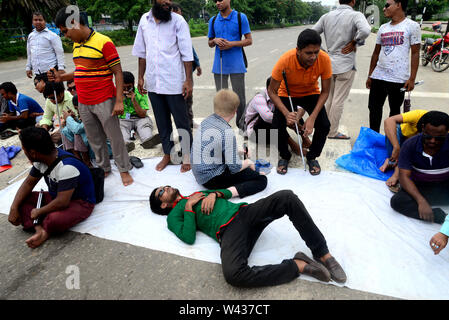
(160, 13)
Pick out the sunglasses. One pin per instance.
(218, 1)
(160, 193)
(71, 88)
(437, 138)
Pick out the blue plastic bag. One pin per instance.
(367, 155)
(8, 153)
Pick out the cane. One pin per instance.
(57, 109)
(221, 70)
(296, 124)
(38, 205)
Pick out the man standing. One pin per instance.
(100, 102)
(302, 66)
(44, 48)
(343, 29)
(389, 69)
(164, 50)
(225, 34)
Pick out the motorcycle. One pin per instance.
(434, 51)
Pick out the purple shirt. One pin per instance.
(424, 167)
(165, 46)
(261, 105)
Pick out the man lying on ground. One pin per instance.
(424, 175)
(71, 195)
(237, 226)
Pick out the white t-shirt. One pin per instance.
(393, 64)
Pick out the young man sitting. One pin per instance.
(214, 156)
(135, 116)
(23, 110)
(424, 175)
(71, 195)
(398, 128)
(237, 226)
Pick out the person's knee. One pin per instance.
(396, 203)
(232, 275)
(263, 182)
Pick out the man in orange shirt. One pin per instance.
(303, 66)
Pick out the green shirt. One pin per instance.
(185, 223)
(128, 105)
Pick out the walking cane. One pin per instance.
(221, 70)
(57, 110)
(38, 205)
(296, 124)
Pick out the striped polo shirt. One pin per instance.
(93, 60)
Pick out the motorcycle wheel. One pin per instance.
(439, 64)
(424, 60)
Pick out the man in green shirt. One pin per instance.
(237, 226)
(135, 116)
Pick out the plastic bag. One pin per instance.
(367, 155)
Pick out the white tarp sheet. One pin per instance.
(381, 251)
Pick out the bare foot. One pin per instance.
(394, 179)
(126, 178)
(38, 238)
(164, 162)
(384, 166)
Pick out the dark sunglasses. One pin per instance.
(387, 5)
(160, 193)
(430, 137)
(218, 1)
(71, 88)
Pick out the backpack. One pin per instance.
(97, 177)
(239, 18)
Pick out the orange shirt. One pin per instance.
(301, 82)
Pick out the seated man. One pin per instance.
(50, 117)
(23, 110)
(214, 156)
(71, 195)
(398, 128)
(424, 171)
(135, 116)
(259, 116)
(237, 226)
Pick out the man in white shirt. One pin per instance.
(343, 30)
(44, 48)
(390, 64)
(165, 55)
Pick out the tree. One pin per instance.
(432, 7)
(22, 10)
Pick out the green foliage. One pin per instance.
(11, 49)
(198, 27)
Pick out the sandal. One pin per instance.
(136, 162)
(395, 188)
(314, 167)
(282, 163)
(340, 136)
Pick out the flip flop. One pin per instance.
(136, 162)
(395, 188)
(282, 163)
(340, 136)
(314, 164)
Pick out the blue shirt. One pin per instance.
(24, 103)
(214, 148)
(424, 168)
(228, 28)
(69, 173)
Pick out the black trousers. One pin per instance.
(322, 126)
(247, 182)
(164, 106)
(379, 91)
(435, 193)
(237, 240)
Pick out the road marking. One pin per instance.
(417, 94)
(273, 51)
(253, 60)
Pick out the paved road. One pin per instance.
(114, 270)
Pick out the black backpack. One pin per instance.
(97, 176)
(239, 17)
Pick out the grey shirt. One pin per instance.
(341, 26)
